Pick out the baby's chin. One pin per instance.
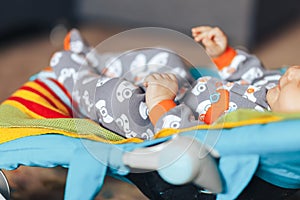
(272, 95)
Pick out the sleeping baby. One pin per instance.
(141, 92)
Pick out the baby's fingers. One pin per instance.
(200, 37)
(154, 78)
(149, 78)
(172, 77)
(201, 29)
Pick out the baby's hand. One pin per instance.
(160, 86)
(213, 39)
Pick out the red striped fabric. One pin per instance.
(42, 84)
(30, 89)
(38, 108)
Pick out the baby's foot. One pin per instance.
(74, 42)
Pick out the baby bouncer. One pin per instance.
(216, 161)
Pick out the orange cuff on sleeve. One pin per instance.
(218, 108)
(225, 59)
(160, 109)
(67, 41)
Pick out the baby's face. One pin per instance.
(285, 97)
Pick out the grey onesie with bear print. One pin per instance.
(108, 88)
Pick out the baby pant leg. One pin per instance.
(116, 104)
(136, 65)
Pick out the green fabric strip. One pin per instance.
(11, 117)
(248, 114)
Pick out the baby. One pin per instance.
(245, 84)
(110, 89)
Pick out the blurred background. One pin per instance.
(31, 31)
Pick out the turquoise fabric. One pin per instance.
(203, 71)
(276, 145)
(244, 151)
(88, 161)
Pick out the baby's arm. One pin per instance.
(160, 94)
(213, 39)
(215, 42)
(233, 65)
(163, 112)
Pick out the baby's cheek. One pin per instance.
(288, 102)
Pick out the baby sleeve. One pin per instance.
(239, 66)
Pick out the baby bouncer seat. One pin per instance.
(219, 161)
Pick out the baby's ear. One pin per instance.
(74, 42)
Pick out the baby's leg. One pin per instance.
(67, 66)
(136, 65)
(115, 103)
(118, 105)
